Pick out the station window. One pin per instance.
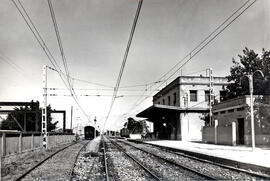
(174, 98)
(215, 113)
(163, 101)
(169, 100)
(231, 110)
(193, 95)
(240, 109)
(222, 94)
(222, 112)
(207, 95)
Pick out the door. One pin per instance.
(241, 131)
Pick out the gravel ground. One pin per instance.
(122, 168)
(161, 168)
(58, 167)
(89, 163)
(11, 171)
(215, 171)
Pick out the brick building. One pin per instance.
(177, 109)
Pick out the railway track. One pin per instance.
(104, 158)
(160, 168)
(46, 168)
(122, 166)
(216, 170)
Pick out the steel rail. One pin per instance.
(42, 161)
(207, 177)
(104, 157)
(178, 152)
(135, 160)
(74, 164)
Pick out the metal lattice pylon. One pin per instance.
(44, 109)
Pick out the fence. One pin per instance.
(14, 142)
(224, 135)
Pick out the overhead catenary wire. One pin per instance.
(124, 60)
(22, 11)
(198, 48)
(60, 45)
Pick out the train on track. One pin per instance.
(124, 132)
(89, 132)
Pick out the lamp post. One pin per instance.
(250, 78)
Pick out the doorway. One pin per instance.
(241, 131)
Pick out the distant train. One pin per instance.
(124, 132)
(89, 132)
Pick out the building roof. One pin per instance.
(242, 101)
(158, 110)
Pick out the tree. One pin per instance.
(248, 63)
(18, 114)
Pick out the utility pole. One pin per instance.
(71, 115)
(211, 94)
(44, 108)
(250, 78)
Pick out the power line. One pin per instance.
(41, 42)
(6, 59)
(96, 95)
(124, 59)
(60, 45)
(199, 47)
(37, 36)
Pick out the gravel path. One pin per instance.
(163, 169)
(11, 171)
(58, 167)
(89, 163)
(215, 171)
(123, 168)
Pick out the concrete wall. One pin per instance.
(16, 144)
(208, 134)
(191, 127)
(223, 135)
(54, 140)
(259, 140)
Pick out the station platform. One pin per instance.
(93, 145)
(244, 157)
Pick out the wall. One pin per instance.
(191, 126)
(16, 144)
(225, 135)
(259, 140)
(208, 134)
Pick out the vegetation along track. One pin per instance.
(216, 171)
(164, 169)
(57, 166)
(122, 166)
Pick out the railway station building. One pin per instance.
(178, 108)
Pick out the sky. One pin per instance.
(94, 34)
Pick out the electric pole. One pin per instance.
(44, 108)
(211, 94)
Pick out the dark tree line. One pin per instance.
(248, 63)
(10, 124)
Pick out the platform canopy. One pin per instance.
(158, 110)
